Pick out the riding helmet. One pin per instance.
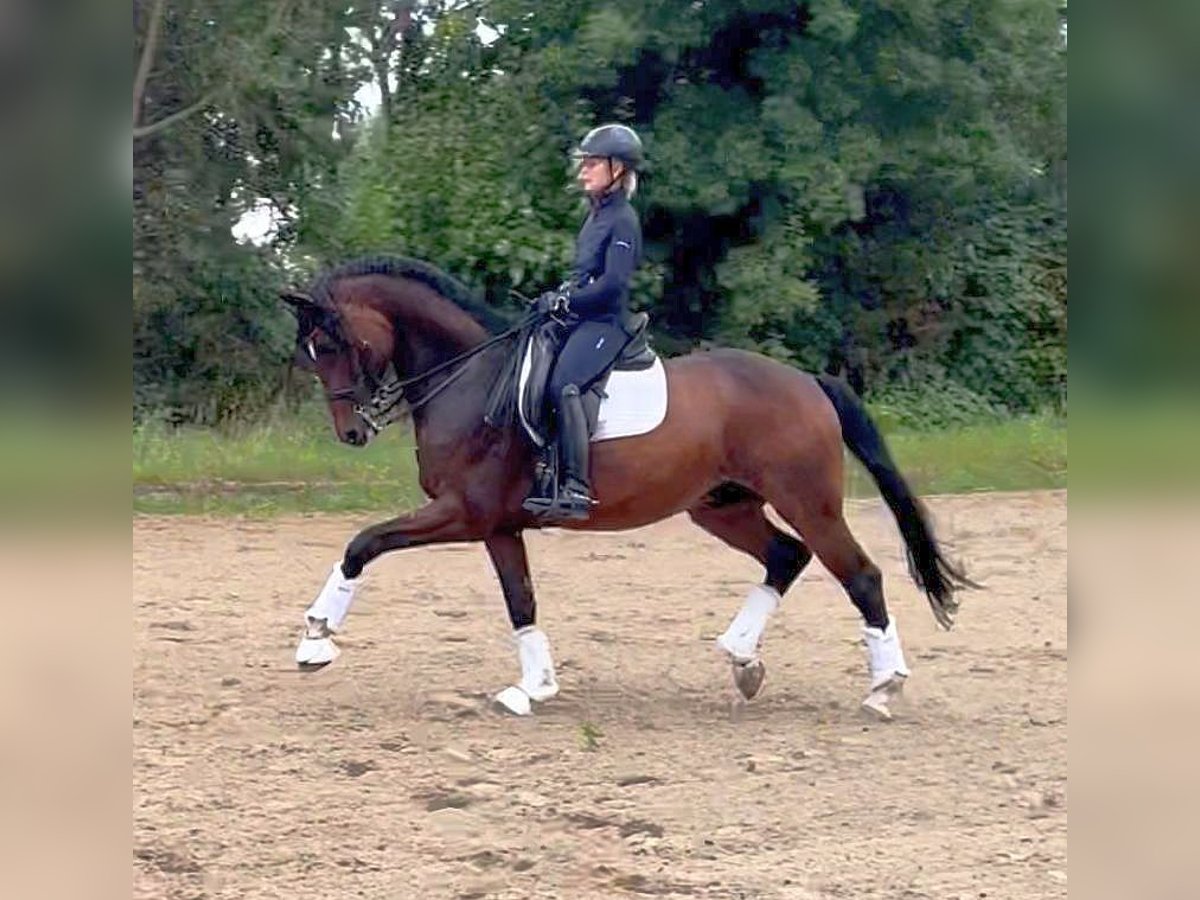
(616, 142)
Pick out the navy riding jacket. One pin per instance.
(607, 251)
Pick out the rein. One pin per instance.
(382, 408)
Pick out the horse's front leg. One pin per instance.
(507, 551)
(437, 521)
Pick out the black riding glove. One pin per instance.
(552, 302)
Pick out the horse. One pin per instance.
(741, 431)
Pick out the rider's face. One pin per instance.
(595, 176)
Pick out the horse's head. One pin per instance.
(349, 347)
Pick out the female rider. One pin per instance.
(593, 304)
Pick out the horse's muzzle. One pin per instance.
(356, 437)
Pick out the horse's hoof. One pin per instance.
(541, 692)
(749, 677)
(878, 702)
(877, 708)
(514, 700)
(316, 653)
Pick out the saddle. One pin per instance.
(520, 389)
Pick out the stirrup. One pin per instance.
(571, 504)
(537, 505)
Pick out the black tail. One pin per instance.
(937, 577)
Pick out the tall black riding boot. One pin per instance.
(574, 500)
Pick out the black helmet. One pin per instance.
(615, 141)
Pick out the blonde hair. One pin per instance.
(627, 182)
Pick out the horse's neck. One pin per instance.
(427, 341)
(451, 421)
(455, 413)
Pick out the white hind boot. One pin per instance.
(324, 618)
(537, 672)
(744, 634)
(885, 661)
(743, 638)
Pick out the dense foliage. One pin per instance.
(875, 188)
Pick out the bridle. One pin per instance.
(378, 401)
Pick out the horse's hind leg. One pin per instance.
(827, 533)
(736, 517)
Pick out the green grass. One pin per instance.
(1015, 455)
(296, 465)
(280, 465)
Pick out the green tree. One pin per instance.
(235, 105)
(872, 187)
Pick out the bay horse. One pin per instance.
(741, 431)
